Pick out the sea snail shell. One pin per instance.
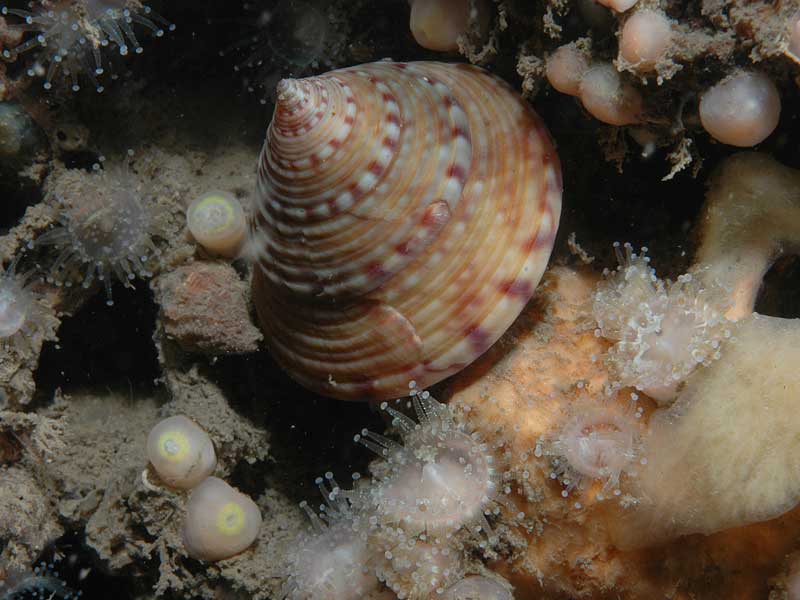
(405, 214)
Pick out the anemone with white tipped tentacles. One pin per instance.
(68, 37)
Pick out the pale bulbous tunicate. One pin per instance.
(216, 221)
(742, 110)
(436, 24)
(618, 5)
(645, 38)
(181, 452)
(565, 69)
(220, 521)
(608, 98)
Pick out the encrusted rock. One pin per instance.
(204, 309)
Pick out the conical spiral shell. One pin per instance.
(406, 213)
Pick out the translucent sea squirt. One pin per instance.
(217, 222)
(181, 452)
(220, 521)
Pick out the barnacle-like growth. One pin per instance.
(663, 330)
(329, 562)
(106, 227)
(21, 314)
(440, 479)
(70, 34)
(725, 453)
(593, 446)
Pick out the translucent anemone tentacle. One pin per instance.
(69, 41)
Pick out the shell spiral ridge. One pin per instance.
(405, 214)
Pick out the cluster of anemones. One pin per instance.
(400, 527)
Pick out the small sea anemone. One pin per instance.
(106, 227)
(416, 568)
(440, 479)
(330, 562)
(42, 582)
(663, 330)
(70, 34)
(593, 445)
(21, 314)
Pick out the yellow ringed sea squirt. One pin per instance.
(216, 221)
(220, 521)
(181, 452)
(405, 213)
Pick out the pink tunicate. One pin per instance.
(608, 98)
(565, 68)
(741, 111)
(437, 24)
(618, 5)
(645, 39)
